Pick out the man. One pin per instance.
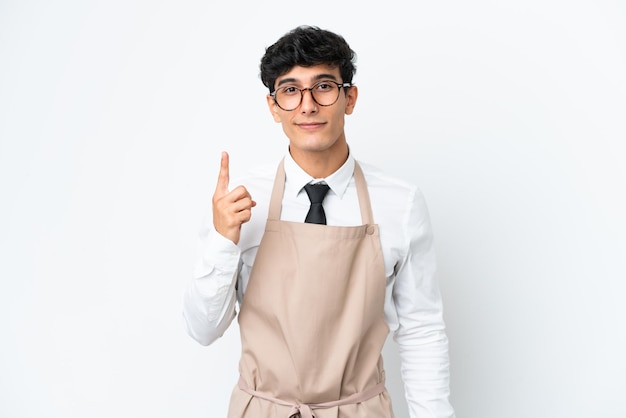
(324, 256)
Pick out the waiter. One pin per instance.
(322, 256)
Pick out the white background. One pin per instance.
(510, 115)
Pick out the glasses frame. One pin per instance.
(310, 89)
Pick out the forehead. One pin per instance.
(307, 75)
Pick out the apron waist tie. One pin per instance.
(306, 411)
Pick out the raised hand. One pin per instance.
(232, 208)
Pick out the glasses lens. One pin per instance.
(325, 93)
(288, 97)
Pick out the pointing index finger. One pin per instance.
(224, 175)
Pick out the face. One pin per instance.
(314, 130)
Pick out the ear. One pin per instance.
(274, 110)
(351, 96)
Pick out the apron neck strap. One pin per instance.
(276, 199)
(364, 196)
(361, 189)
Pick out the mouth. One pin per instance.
(309, 126)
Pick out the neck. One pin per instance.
(320, 164)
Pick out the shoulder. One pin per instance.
(258, 179)
(380, 181)
(257, 173)
(393, 198)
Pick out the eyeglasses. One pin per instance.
(324, 93)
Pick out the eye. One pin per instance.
(289, 90)
(324, 86)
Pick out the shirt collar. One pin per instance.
(297, 178)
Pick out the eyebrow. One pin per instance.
(318, 77)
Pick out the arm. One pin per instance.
(421, 335)
(209, 300)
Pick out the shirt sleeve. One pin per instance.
(210, 298)
(421, 335)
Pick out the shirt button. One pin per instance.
(370, 229)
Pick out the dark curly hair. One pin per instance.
(307, 46)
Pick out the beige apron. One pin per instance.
(312, 320)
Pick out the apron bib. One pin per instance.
(312, 320)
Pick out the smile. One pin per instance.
(309, 125)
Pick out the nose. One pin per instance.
(308, 104)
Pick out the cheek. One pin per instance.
(288, 129)
(338, 121)
(275, 114)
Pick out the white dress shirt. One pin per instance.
(413, 308)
